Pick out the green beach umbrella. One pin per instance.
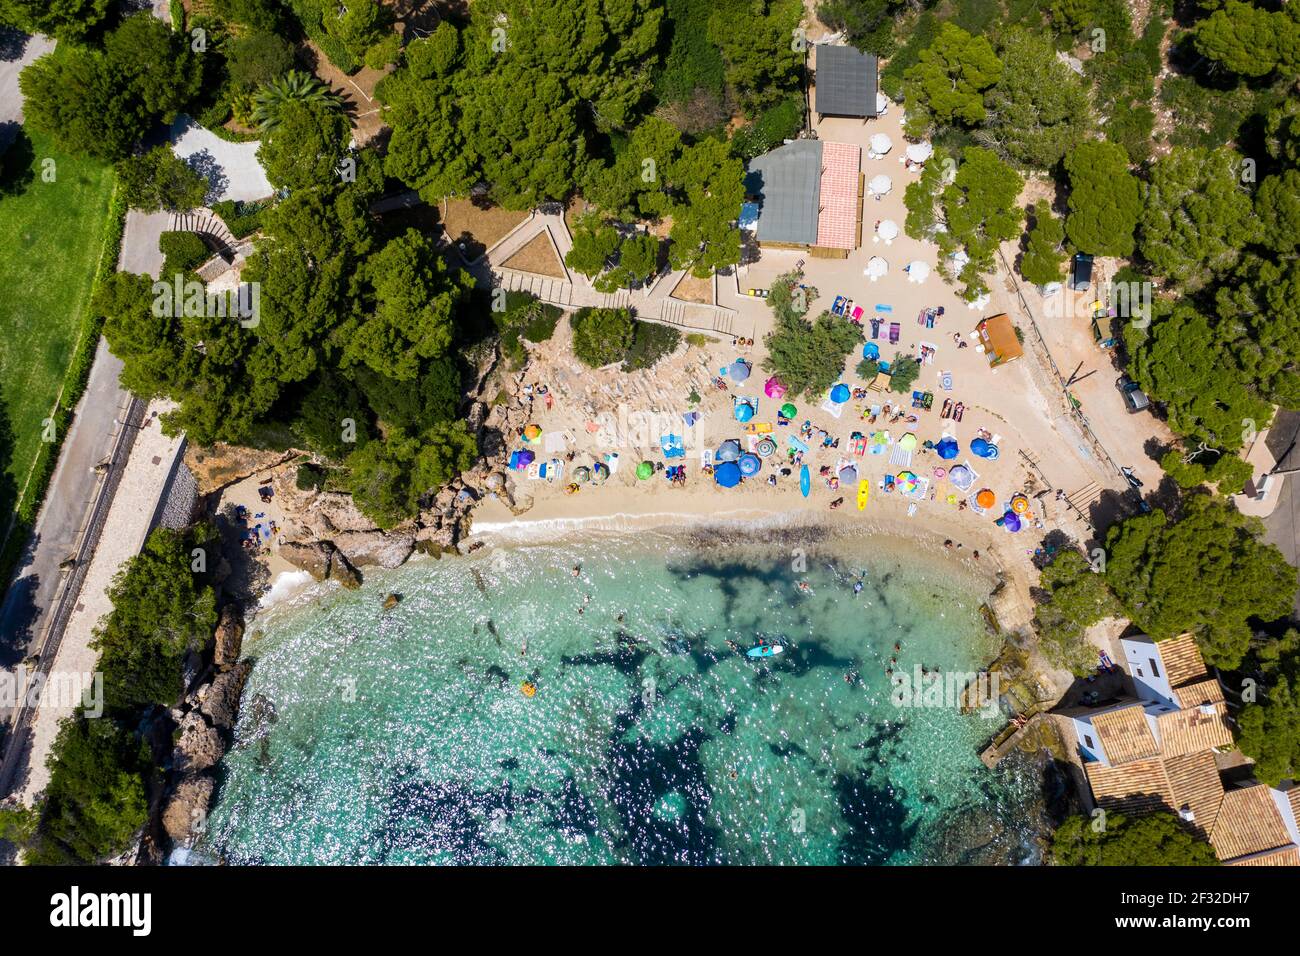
(645, 470)
(788, 410)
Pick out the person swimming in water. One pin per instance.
(857, 588)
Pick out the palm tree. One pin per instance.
(294, 87)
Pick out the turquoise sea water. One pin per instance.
(403, 736)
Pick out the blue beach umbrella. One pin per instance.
(728, 451)
(750, 464)
(840, 394)
(739, 370)
(871, 351)
(727, 474)
(743, 411)
(946, 449)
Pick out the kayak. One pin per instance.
(764, 650)
(805, 481)
(864, 492)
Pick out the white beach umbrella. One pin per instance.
(917, 271)
(979, 303)
(919, 152)
(876, 268)
(881, 144)
(887, 229)
(880, 185)
(882, 104)
(959, 260)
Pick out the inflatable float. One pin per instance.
(764, 650)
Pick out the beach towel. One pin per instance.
(881, 307)
(920, 317)
(945, 379)
(875, 328)
(894, 329)
(795, 443)
(900, 456)
(925, 352)
(832, 409)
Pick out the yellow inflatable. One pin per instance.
(527, 689)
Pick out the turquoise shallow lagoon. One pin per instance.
(403, 737)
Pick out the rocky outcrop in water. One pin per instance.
(187, 810)
(322, 561)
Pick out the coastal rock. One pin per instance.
(436, 539)
(188, 807)
(375, 548)
(221, 702)
(338, 510)
(391, 600)
(229, 637)
(314, 557)
(344, 573)
(478, 413)
(199, 746)
(219, 465)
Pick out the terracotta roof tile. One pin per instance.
(1248, 822)
(1187, 731)
(1195, 784)
(1284, 856)
(1140, 786)
(1182, 660)
(1125, 734)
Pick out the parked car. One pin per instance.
(1081, 272)
(1135, 400)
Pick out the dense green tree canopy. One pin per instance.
(948, 81)
(388, 478)
(1251, 40)
(601, 336)
(162, 607)
(1159, 839)
(1269, 727)
(158, 181)
(1104, 200)
(763, 52)
(1075, 598)
(102, 102)
(65, 19)
(1209, 573)
(1044, 254)
(1196, 215)
(1180, 360)
(1039, 108)
(807, 357)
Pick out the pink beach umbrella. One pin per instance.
(774, 389)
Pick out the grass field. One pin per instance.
(51, 235)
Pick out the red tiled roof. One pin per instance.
(837, 219)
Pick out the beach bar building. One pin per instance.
(806, 195)
(997, 334)
(845, 82)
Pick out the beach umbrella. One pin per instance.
(979, 447)
(728, 451)
(743, 411)
(840, 394)
(906, 481)
(773, 389)
(582, 474)
(727, 474)
(887, 230)
(749, 464)
(599, 472)
(645, 470)
(672, 446)
(1019, 504)
(882, 104)
(871, 351)
(1011, 521)
(907, 442)
(947, 449)
(876, 268)
(788, 410)
(766, 448)
(739, 370)
(959, 260)
(532, 433)
(881, 144)
(977, 305)
(880, 185)
(960, 476)
(520, 460)
(985, 498)
(917, 271)
(919, 152)
(848, 474)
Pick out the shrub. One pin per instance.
(310, 477)
(241, 218)
(902, 373)
(601, 336)
(651, 342)
(184, 252)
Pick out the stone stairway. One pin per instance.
(208, 226)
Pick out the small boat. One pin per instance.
(805, 481)
(764, 650)
(864, 492)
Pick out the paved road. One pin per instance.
(1282, 527)
(11, 101)
(89, 441)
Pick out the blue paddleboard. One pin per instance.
(764, 650)
(805, 480)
